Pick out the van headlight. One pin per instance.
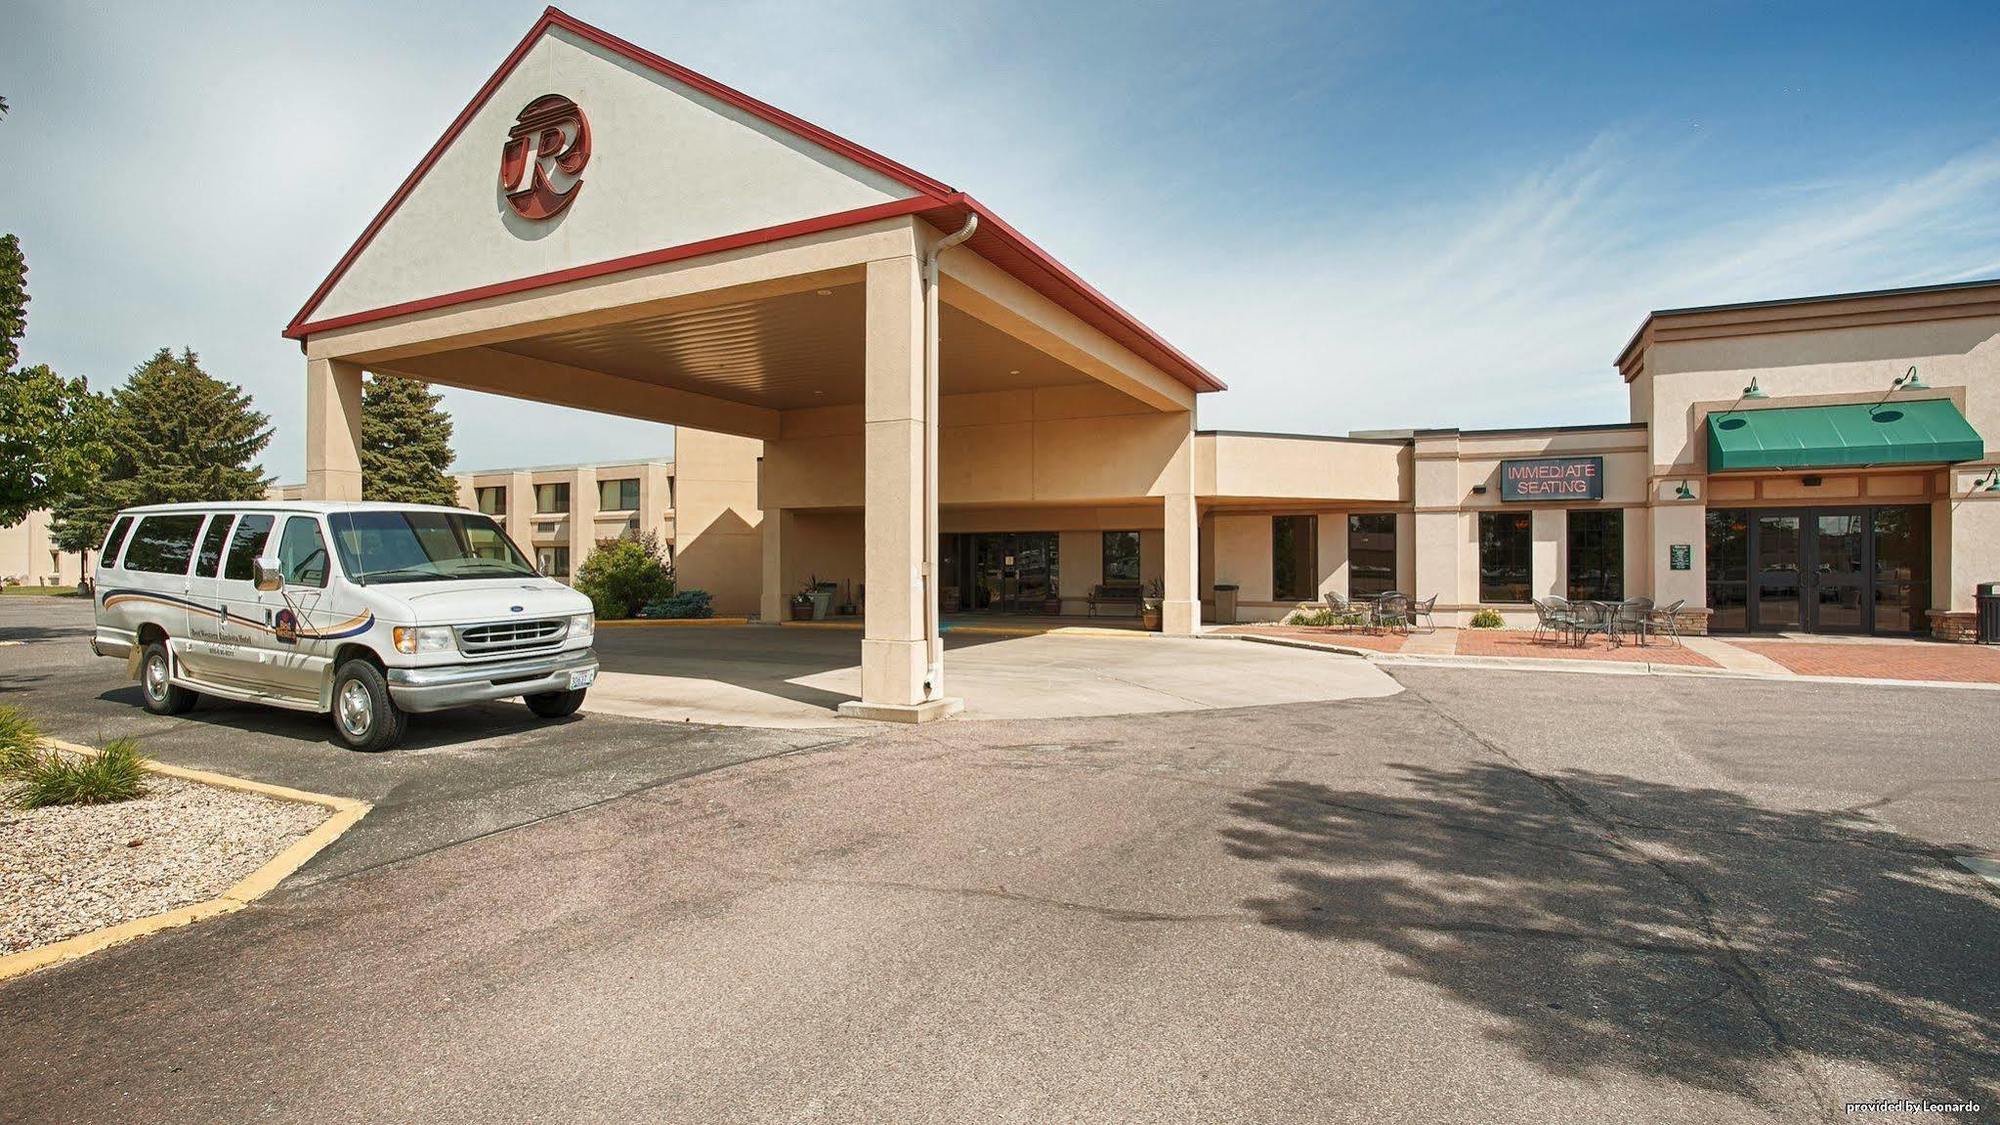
(413, 639)
(583, 626)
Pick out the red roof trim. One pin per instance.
(616, 265)
(935, 200)
(553, 17)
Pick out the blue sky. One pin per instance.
(1358, 215)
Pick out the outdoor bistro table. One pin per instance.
(1611, 623)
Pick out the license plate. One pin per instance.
(582, 679)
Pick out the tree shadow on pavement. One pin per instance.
(1608, 924)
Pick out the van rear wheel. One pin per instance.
(364, 716)
(555, 704)
(156, 685)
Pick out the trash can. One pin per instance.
(1988, 601)
(1225, 604)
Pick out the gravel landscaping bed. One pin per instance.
(66, 871)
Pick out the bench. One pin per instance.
(1114, 593)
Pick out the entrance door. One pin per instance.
(1836, 584)
(1820, 570)
(1778, 601)
(1012, 572)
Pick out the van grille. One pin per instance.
(511, 636)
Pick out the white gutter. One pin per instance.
(933, 642)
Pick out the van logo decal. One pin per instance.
(285, 627)
(515, 608)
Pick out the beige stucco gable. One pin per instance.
(670, 165)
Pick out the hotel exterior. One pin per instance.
(903, 392)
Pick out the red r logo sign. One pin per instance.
(553, 127)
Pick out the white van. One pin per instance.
(413, 608)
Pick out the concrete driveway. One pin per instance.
(1494, 896)
(794, 678)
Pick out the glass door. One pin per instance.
(1012, 572)
(1778, 576)
(1837, 581)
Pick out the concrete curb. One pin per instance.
(346, 813)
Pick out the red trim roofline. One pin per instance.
(934, 200)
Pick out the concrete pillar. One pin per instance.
(1549, 530)
(1332, 549)
(895, 652)
(582, 518)
(1180, 613)
(1677, 521)
(520, 509)
(774, 604)
(333, 430)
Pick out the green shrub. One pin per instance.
(682, 605)
(623, 576)
(1488, 619)
(20, 742)
(1311, 617)
(51, 777)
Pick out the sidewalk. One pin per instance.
(1858, 658)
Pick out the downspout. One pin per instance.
(933, 641)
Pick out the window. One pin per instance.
(114, 540)
(552, 561)
(1902, 569)
(552, 497)
(1596, 556)
(1371, 554)
(491, 500)
(1505, 557)
(423, 547)
(1121, 557)
(1294, 565)
(1728, 570)
(252, 532)
(618, 495)
(302, 553)
(163, 544)
(211, 546)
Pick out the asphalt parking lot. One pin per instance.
(1496, 896)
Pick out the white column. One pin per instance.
(894, 647)
(775, 603)
(1333, 559)
(333, 430)
(1180, 613)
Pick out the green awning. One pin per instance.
(1924, 432)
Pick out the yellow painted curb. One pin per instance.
(346, 813)
(681, 622)
(854, 624)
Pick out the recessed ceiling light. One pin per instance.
(826, 292)
(1015, 371)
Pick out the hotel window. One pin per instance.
(1294, 564)
(618, 495)
(1728, 570)
(553, 562)
(552, 497)
(1371, 554)
(1596, 556)
(1506, 557)
(491, 500)
(1121, 557)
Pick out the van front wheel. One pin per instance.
(364, 716)
(162, 695)
(555, 704)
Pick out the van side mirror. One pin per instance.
(266, 575)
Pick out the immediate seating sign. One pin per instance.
(1552, 478)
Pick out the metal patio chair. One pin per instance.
(1392, 612)
(1668, 620)
(1632, 616)
(1420, 610)
(1555, 615)
(1587, 618)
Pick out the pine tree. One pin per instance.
(172, 434)
(405, 443)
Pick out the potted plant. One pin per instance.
(822, 597)
(1150, 604)
(802, 604)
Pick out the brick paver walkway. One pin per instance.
(1522, 643)
(1972, 664)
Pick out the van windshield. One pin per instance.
(423, 547)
